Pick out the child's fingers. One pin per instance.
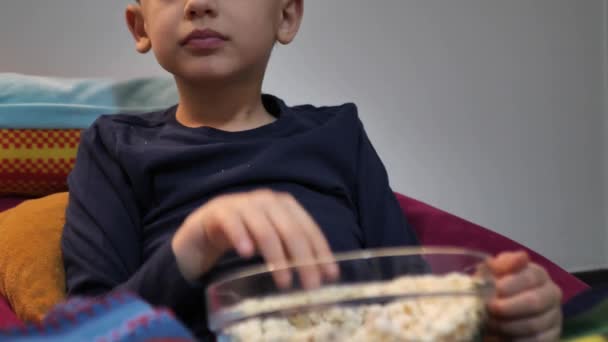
(528, 278)
(296, 243)
(508, 262)
(268, 242)
(526, 304)
(527, 326)
(233, 230)
(313, 232)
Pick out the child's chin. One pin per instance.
(208, 75)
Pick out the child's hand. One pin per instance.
(527, 303)
(273, 224)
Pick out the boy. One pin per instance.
(157, 200)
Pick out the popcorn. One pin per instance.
(456, 315)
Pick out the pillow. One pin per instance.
(31, 268)
(47, 102)
(36, 163)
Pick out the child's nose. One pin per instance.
(200, 8)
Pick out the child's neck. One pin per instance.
(229, 107)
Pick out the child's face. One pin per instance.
(250, 29)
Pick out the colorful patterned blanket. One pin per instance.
(116, 318)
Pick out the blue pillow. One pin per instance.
(37, 102)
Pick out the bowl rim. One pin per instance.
(220, 319)
(362, 254)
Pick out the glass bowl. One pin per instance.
(389, 294)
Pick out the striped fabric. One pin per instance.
(36, 162)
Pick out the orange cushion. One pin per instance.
(32, 278)
(36, 162)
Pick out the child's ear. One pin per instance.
(292, 12)
(136, 24)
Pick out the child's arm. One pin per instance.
(527, 303)
(102, 239)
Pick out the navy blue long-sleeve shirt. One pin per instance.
(137, 178)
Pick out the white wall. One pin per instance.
(605, 72)
(491, 109)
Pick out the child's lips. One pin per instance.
(204, 40)
(205, 43)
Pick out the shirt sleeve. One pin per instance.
(102, 237)
(380, 216)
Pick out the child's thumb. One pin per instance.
(508, 262)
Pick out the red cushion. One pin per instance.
(9, 202)
(438, 228)
(7, 318)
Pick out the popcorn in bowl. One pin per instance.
(411, 307)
